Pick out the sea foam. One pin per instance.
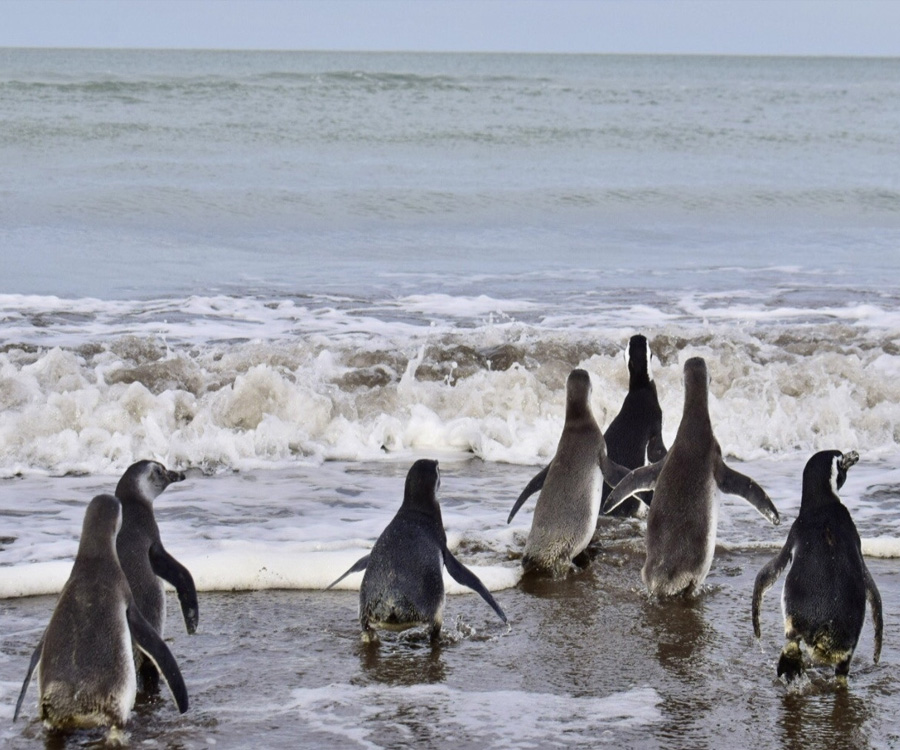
(292, 392)
(496, 392)
(248, 566)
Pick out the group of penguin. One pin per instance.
(826, 589)
(105, 633)
(106, 629)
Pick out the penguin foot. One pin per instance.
(148, 679)
(368, 636)
(842, 671)
(582, 560)
(790, 665)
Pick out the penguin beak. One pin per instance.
(175, 476)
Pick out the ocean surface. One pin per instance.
(292, 274)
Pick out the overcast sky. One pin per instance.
(781, 27)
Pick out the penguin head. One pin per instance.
(102, 521)
(637, 358)
(145, 480)
(422, 483)
(825, 474)
(696, 378)
(695, 373)
(578, 392)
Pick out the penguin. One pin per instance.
(86, 672)
(144, 559)
(681, 523)
(565, 516)
(634, 437)
(403, 585)
(828, 584)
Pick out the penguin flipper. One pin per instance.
(637, 481)
(169, 569)
(357, 567)
(461, 574)
(533, 486)
(766, 577)
(35, 658)
(875, 603)
(153, 647)
(613, 473)
(732, 482)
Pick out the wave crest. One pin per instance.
(498, 393)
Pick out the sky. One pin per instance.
(757, 27)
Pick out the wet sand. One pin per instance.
(587, 661)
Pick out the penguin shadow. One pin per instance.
(545, 586)
(571, 585)
(823, 714)
(682, 637)
(401, 662)
(679, 627)
(91, 739)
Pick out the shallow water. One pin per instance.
(586, 661)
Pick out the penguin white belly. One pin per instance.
(595, 494)
(162, 612)
(710, 535)
(127, 693)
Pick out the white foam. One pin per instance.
(350, 712)
(881, 547)
(462, 306)
(249, 566)
(266, 404)
(301, 527)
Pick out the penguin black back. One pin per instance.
(634, 437)
(403, 583)
(828, 584)
(825, 586)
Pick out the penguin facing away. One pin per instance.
(634, 437)
(828, 583)
(681, 524)
(403, 586)
(143, 558)
(84, 659)
(565, 516)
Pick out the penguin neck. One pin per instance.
(96, 546)
(817, 496)
(695, 417)
(578, 412)
(428, 507)
(137, 510)
(639, 379)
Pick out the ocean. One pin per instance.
(291, 274)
